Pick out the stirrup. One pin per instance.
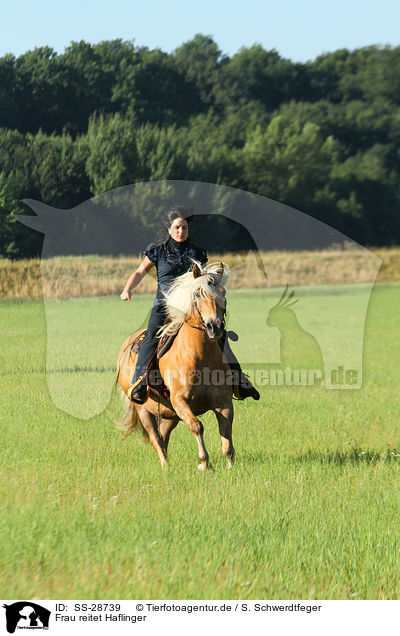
(134, 386)
(141, 389)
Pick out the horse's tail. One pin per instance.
(131, 421)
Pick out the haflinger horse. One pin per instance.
(191, 368)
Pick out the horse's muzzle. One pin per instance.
(214, 329)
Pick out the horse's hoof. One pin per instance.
(206, 466)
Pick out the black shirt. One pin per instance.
(172, 259)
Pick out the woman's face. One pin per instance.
(179, 230)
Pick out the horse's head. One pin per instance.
(199, 294)
(281, 312)
(209, 298)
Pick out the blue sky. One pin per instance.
(299, 30)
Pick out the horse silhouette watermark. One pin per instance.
(325, 331)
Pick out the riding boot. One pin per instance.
(242, 387)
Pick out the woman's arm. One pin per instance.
(135, 278)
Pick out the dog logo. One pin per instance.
(26, 615)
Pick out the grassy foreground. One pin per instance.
(310, 510)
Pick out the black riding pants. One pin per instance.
(150, 341)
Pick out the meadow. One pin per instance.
(310, 510)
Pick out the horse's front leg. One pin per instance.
(225, 419)
(185, 413)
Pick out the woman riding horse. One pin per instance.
(172, 258)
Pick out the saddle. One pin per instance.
(153, 375)
(163, 346)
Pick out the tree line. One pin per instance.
(322, 136)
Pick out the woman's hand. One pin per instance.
(135, 278)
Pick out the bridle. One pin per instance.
(202, 326)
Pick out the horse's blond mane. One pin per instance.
(178, 299)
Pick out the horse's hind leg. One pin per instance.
(225, 419)
(184, 412)
(150, 424)
(166, 428)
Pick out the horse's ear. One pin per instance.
(196, 271)
(220, 269)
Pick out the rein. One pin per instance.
(203, 326)
(189, 324)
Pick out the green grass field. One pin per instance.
(311, 508)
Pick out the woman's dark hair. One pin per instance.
(176, 212)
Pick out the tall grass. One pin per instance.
(101, 276)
